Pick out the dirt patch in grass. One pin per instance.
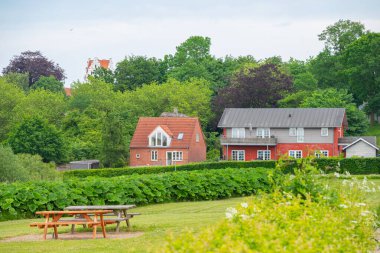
(75, 236)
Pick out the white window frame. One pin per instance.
(292, 131)
(238, 132)
(177, 156)
(266, 154)
(236, 155)
(180, 136)
(321, 153)
(197, 137)
(297, 154)
(138, 156)
(155, 134)
(324, 131)
(263, 132)
(154, 155)
(300, 134)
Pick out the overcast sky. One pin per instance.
(70, 32)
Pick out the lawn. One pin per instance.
(156, 222)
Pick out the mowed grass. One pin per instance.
(156, 222)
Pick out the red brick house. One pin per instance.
(268, 133)
(167, 141)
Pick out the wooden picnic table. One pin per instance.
(120, 211)
(53, 219)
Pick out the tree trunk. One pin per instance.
(372, 118)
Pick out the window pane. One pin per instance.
(164, 140)
(153, 140)
(159, 139)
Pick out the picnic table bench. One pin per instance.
(120, 211)
(53, 220)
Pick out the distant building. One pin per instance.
(170, 139)
(68, 91)
(92, 64)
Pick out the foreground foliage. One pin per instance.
(297, 220)
(23, 199)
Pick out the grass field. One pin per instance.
(155, 222)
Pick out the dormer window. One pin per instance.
(180, 136)
(158, 138)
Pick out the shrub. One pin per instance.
(10, 167)
(36, 169)
(23, 199)
(360, 165)
(159, 169)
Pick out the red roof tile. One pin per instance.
(171, 125)
(68, 92)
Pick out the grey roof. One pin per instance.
(283, 117)
(85, 162)
(351, 139)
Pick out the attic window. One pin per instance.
(180, 136)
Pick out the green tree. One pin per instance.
(333, 98)
(103, 74)
(21, 80)
(362, 65)
(49, 83)
(294, 100)
(37, 137)
(114, 150)
(42, 103)
(303, 79)
(134, 71)
(10, 97)
(10, 167)
(341, 34)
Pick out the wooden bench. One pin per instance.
(53, 220)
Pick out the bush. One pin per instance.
(36, 169)
(360, 165)
(10, 167)
(24, 199)
(159, 169)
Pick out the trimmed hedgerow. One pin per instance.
(360, 165)
(24, 199)
(160, 169)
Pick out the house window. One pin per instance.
(180, 136)
(321, 153)
(293, 131)
(300, 134)
(263, 132)
(197, 137)
(238, 155)
(238, 132)
(263, 155)
(158, 139)
(177, 156)
(154, 155)
(295, 153)
(324, 131)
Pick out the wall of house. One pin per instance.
(145, 156)
(197, 150)
(311, 135)
(360, 149)
(307, 148)
(250, 151)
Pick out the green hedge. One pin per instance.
(19, 200)
(159, 169)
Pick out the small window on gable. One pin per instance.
(180, 136)
(324, 131)
(197, 137)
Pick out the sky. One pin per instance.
(70, 32)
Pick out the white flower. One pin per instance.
(336, 174)
(360, 204)
(343, 206)
(229, 215)
(244, 217)
(230, 212)
(244, 205)
(354, 221)
(365, 213)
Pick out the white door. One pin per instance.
(169, 158)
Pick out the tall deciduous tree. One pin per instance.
(49, 83)
(134, 71)
(333, 98)
(103, 74)
(36, 65)
(258, 87)
(21, 80)
(362, 65)
(341, 34)
(37, 137)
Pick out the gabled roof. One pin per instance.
(171, 125)
(363, 140)
(350, 139)
(68, 92)
(283, 117)
(103, 63)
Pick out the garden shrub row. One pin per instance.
(159, 169)
(18, 200)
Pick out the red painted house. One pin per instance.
(269, 133)
(167, 141)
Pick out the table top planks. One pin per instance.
(103, 207)
(73, 212)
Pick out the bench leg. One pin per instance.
(103, 226)
(127, 220)
(73, 228)
(55, 232)
(46, 226)
(94, 227)
(117, 226)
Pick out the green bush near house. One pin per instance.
(19, 200)
(160, 169)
